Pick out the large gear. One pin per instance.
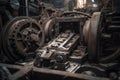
(21, 37)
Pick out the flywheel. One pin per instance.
(21, 37)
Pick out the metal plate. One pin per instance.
(51, 29)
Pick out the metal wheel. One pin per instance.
(93, 37)
(51, 29)
(100, 49)
(21, 37)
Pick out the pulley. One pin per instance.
(51, 29)
(21, 37)
(93, 37)
(101, 47)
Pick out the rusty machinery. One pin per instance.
(100, 33)
(70, 46)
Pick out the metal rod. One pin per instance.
(27, 9)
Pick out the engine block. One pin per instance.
(56, 53)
